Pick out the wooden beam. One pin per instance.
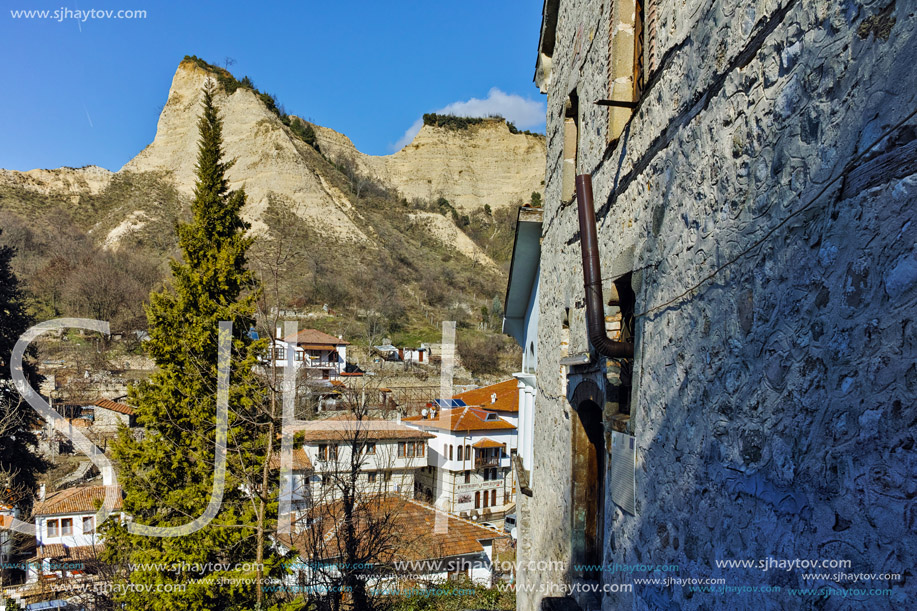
(616, 103)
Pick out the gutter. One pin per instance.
(592, 277)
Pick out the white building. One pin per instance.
(468, 462)
(66, 540)
(419, 355)
(389, 456)
(324, 356)
(300, 491)
(521, 322)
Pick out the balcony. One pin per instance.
(321, 364)
(481, 462)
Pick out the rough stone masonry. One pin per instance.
(761, 194)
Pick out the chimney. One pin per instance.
(41, 492)
(108, 475)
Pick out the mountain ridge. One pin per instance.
(483, 166)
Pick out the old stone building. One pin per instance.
(751, 393)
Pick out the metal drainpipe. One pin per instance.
(592, 276)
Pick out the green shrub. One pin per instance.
(230, 84)
(451, 122)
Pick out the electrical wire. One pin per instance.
(770, 232)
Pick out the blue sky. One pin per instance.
(79, 92)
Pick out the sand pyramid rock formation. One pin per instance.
(482, 164)
(90, 180)
(269, 159)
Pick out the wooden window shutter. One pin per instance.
(639, 50)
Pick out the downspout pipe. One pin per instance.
(592, 276)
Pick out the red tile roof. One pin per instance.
(86, 499)
(462, 419)
(313, 336)
(301, 460)
(501, 397)
(487, 442)
(343, 427)
(59, 551)
(115, 407)
(404, 531)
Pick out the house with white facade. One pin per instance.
(502, 399)
(391, 352)
(468, 462)
(300, 491)
(66, 537)
(376, 456)
(322, 356)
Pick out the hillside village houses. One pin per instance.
(435, 545)
(389, 352)
(464, 469)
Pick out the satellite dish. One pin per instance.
(424, 412)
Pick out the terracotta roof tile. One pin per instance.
(114, 406)
(86, 499)
(462, 419)
(59, 551)
(313, 336)
(502, 397)
(345, 426)
(410, 537)
(301, 460)
(487, 442)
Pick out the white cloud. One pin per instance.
(524, 113)
(408, 135)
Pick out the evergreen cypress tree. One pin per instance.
(167, 476)
(19, 465)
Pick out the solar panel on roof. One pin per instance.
(444, 403)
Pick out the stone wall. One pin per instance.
(774, 266)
